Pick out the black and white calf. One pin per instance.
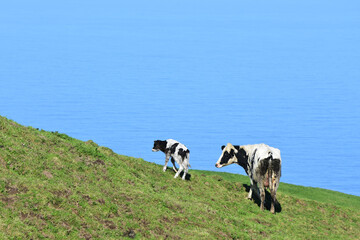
(262, 164)
(177, 152)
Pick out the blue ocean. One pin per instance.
(206, 73)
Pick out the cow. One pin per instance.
(262, 164)
(177, 151)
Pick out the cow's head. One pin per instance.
(228, 156)
(159, 145)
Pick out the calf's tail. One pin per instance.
(187, 156)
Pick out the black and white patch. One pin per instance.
(177, 152)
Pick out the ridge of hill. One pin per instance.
(53, 186)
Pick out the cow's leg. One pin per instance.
(179, 171)
(262, 197)
(274, 187)
(173, 162)
(250, 191)
(253, 188)
(261, 188)
(273, 200)
(167, 156)
(250, 194)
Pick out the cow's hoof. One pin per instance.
(272, 210)
(164, 169)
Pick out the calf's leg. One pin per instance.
(179, 171)
(167, 156)
(186, 169)
(173, 162)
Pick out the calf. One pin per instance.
(262, 164)
(177, 152)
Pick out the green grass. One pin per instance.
(53, 186)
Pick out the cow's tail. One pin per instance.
(274, 177)
(274, 172)
(270, 173)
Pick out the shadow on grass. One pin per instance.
(267, 204)
(187, 177)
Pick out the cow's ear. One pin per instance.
(222, 147)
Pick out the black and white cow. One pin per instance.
(262, 164)
(177, 152)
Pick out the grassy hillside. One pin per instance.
(55, 187)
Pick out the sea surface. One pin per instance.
(126, 73)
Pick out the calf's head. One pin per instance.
(228, 156)
(159, 145)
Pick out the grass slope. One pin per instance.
(53, 186)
